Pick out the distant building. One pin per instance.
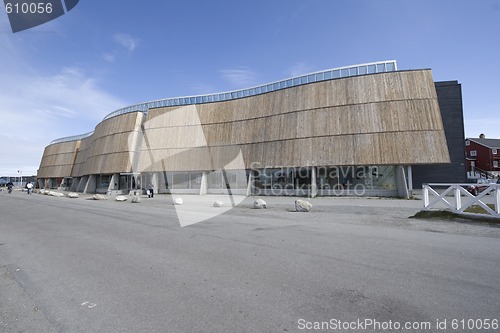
(483, 157)
(356, 130)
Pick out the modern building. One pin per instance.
(483, 157)
(449, 94)
(359, 129)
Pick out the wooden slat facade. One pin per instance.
(379, 119)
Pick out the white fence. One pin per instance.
(456, 198)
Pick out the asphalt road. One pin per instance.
(75, 265)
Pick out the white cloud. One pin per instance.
(36, 109)
(241, 77)
(127, 41)
(298, 69)
(109, 57)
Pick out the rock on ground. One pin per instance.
(99, 197)
(302, 205)
(259, 204)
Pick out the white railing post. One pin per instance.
(458, 198)
(497, 199)
(426, 196)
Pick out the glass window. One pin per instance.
(214, 180)
(380, 68)
(258, 90)
(473, 153)
(296, 81)
(383, 177)
(252, 91)
(195, 180)
(467, 143)
(269, 87)
(344, 72)
(336, 74)
(328, 75)
(103, 181)
(303, 79)
(494, 151)
(495, 164)
(311, 78)
(275, 86)
(371, 69)
(390, 67)
(180, 181)
(320, 76)
(362, 70)
(353, 71)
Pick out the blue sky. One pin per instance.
(63, 77)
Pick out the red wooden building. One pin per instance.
(483, 157)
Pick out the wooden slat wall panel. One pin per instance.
(388, 118)
(58, 160)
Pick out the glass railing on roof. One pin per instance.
(72, 138)
(330, 74)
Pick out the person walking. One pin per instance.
(29, 186)
(150, 191)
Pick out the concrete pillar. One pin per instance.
(401, 184)
(155, 182)
(91, 185)
(114, 183)
(82, 183)
(204, 183)
(250, 183)
(314, 186)
(410, 181)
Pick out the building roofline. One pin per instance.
(485, 144)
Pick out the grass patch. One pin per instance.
(447, 215)
(478, 209)
(435, 214)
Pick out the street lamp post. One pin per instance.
(21, 179)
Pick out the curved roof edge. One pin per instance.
(72, 138)
(329, 74)
(324, 75)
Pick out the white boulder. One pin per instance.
(218, 203)
(73, 195)
(178, 201)
(259, 204)
(99, 197)
(302, 205)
